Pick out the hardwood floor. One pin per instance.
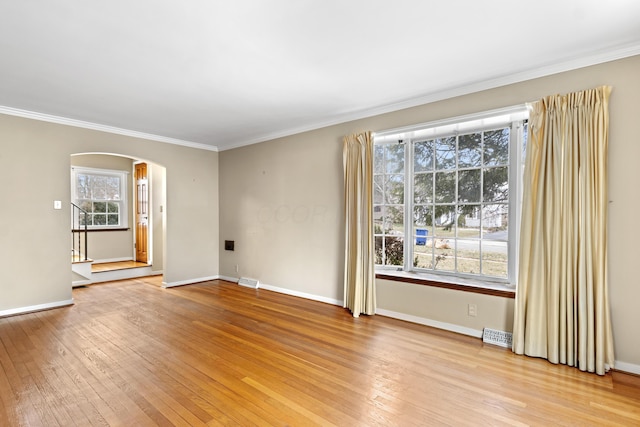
(130, 353)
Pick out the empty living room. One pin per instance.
(298, 213)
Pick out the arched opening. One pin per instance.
(123, 216)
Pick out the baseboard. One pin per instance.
(300, 294)
(189, 281)
(103, 261)
(288, 291)
(428, 322)
(32, 308)
(627, 367)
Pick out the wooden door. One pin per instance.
(142, 212)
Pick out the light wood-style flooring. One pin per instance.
(130, 353)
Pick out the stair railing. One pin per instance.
(80, 219)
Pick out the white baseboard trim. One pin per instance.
(127, 273)
(300, 294)
(428, 322)
(627, 367)
(38, 307)
(189, 281)
(102, 261)
(288, 292)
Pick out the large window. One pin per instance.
(102, 194)
(446, 196)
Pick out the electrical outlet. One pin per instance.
(237, 268)
(472, 310)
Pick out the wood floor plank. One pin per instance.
(216, 354)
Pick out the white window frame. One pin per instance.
(514, 117)
(123, 202)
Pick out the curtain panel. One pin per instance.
(359, 277)
(562, 306)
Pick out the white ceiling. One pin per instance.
(230, 73)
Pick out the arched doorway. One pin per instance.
(126, 229)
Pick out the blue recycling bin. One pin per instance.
(421, 236)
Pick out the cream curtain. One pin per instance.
(359, 278)
(562, 307)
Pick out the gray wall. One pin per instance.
(282, 202)
(34, 238)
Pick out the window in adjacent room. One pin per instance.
(446, 196)
(102, 194)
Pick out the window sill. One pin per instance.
(456, 283)
(90, 230)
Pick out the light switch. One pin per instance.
(57, 204)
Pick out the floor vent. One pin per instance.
(249, 283)
(501, 338)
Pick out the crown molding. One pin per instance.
(598, 57)
(594, 58)
(102, 128)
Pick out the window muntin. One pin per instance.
(102, 194)
(458, 187)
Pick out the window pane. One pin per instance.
(468, 252)
(99, 219)
(445, 153)
(423, 255)
(423, 188)
(445, 219)
(495, 222)
(394, 223)
(112, 188)
(112, 219)
(494, 258)
(496, 147)
(394, 250)
(444, 256)
(113, 207)
(423, 156)
(99, 207)
(469, 221)
(495, 184)
(99, 192)
(394, 189)
(82, 186)
(378, 181)
(378, 219)
(394, 158)
(469, 185)
(378, 159)
(378, 250)
(422, 216)
(469, 150)
(85, 205)
(445, 187)
(388, 220)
